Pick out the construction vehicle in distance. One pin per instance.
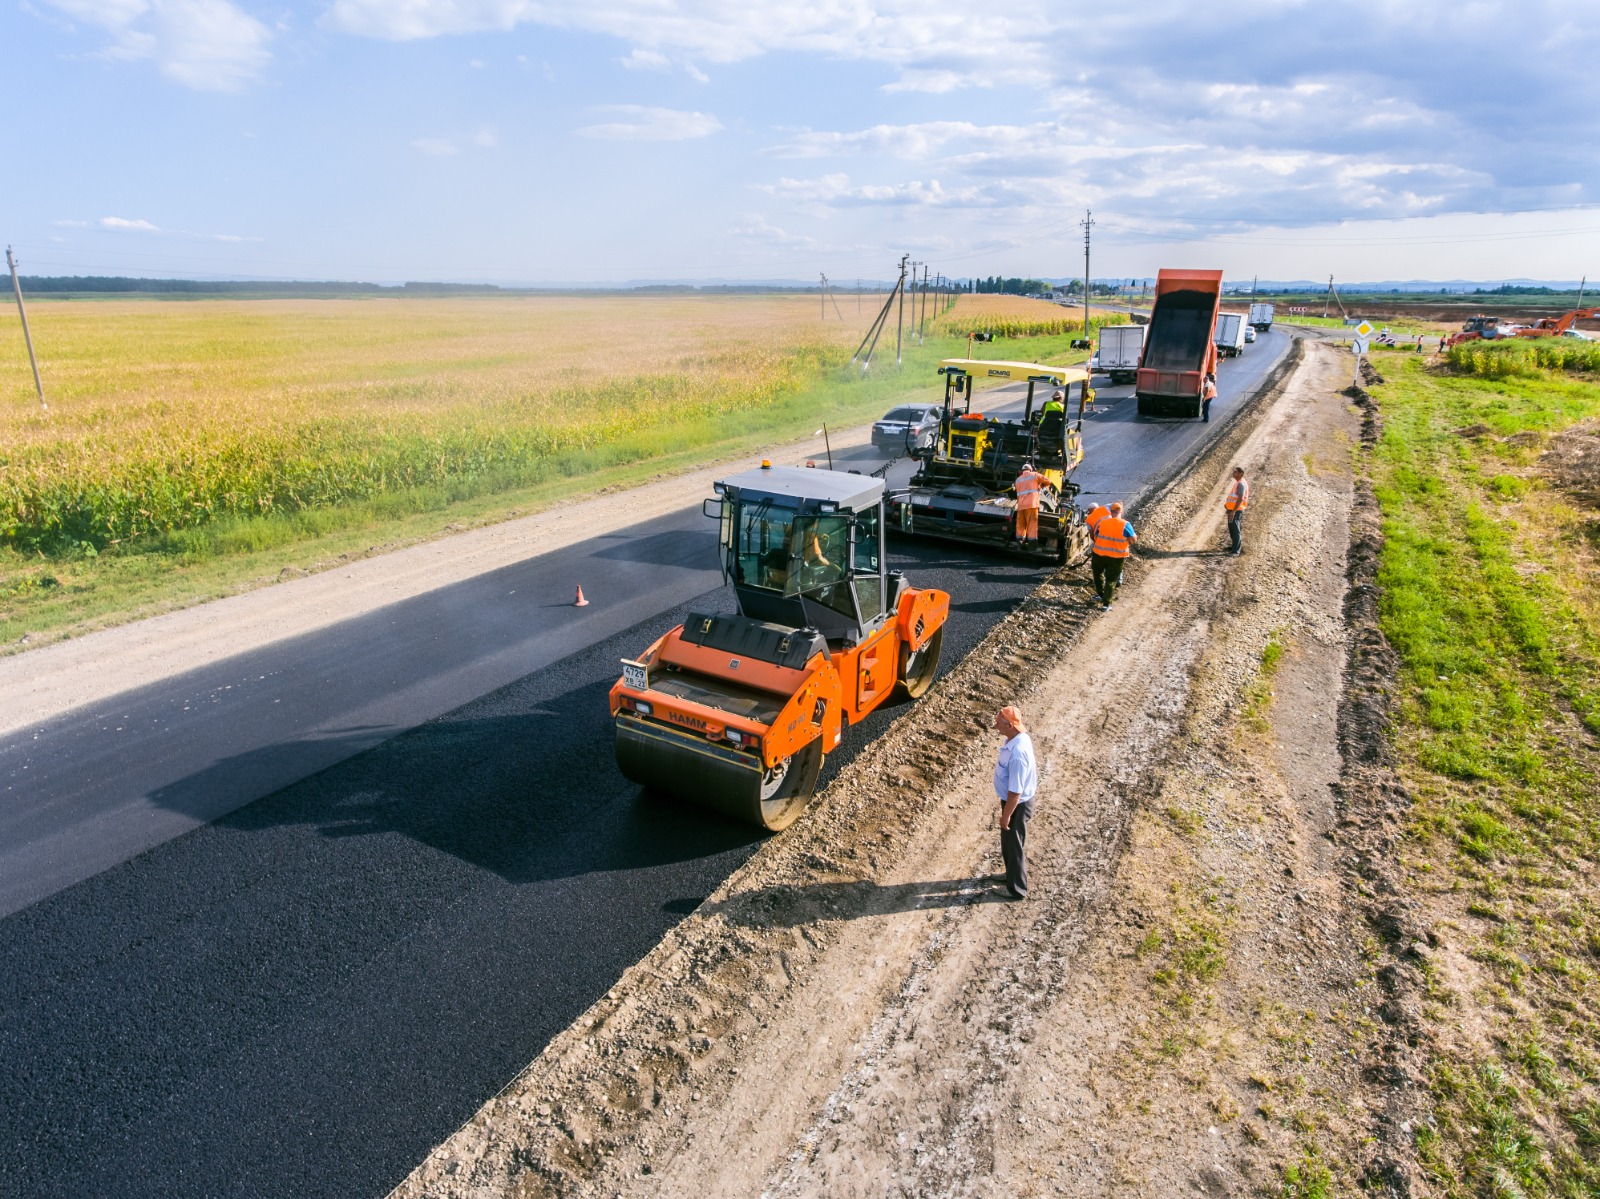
(1557, 326)
(736, 711)
(1120, 349)
(1493, 328)
(1178, 349)
(1481, 328)
(963, 487)
(1229, 336)
(1261, 317)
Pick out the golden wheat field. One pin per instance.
(165, 415)
(1013, 316)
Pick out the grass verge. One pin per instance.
(1488, 578)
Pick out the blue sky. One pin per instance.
(528, 141)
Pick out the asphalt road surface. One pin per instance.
(279, 926)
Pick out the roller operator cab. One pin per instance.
(735, 712)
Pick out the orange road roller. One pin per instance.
(735, 712)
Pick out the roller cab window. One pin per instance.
(820, 555)
(760, 553)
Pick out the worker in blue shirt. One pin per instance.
(1016, 778)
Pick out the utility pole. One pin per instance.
(1088, 224)
(922, 323)
(1582, 287)
(27, 337)
(900, 314)
(1327, 299)
(822, 297)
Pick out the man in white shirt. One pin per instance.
(1016, 778)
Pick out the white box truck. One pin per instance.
(1230, 334)
(1120, 349)
(1261, 317)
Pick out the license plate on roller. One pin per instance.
(635, 675)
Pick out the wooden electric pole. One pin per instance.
(900, 314)
(16, 289)
(1088, 224)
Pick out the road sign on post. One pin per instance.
(1359, 345)
(1364, 331)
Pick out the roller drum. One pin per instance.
(691, 768)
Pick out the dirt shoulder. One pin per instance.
(1187, 1003)
(45, 682)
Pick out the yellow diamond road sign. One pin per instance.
(1364, 329)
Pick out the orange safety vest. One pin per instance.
(1027, 486)
(1210, 390)
(1238, 496)
(1111, 538)
(1096, 514)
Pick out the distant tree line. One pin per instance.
(1011, 287)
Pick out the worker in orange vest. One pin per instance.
(1028, 485)
(1114, 539)
(1096, 514)
(1207, 394)
(1235, 503)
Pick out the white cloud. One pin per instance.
(935, 45)
(485, 139)
(209, 45)
(645, 60)
(838, 191)
(643, 124)
(123, 225)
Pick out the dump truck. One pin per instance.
(1120, 348)
(1229, 335)
(736, 711)
(1261, 317)
(963, 488)
(1178, 350)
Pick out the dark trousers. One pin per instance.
(1205, 410)
(1107, 575)
(1235, 529)
(1013, 841)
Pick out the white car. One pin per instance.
(1249, 333)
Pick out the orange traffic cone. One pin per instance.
(580, 602)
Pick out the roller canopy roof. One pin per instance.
(804, 488)
(1021, 372)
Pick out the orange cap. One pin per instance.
(1013, 717)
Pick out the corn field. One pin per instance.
(1524, 356)
(1016, 316)
(165, 416)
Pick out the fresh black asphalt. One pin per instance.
(410, 862)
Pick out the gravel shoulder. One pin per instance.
(1188, 1002)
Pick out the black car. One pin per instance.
(907, 428)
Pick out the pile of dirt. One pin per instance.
(1572, 461)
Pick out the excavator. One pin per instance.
(1491, 328)
(963, 486)
(736, 711)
